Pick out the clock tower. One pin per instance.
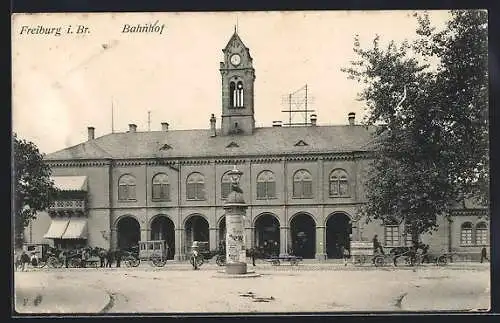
(238, 78)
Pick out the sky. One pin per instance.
(63, 84)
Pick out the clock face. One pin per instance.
(235, 59)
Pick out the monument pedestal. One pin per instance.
(237, 268)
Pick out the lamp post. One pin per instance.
(235, 208)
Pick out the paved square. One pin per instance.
(304, 288)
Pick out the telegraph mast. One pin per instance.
(297, 103)
(149, 120)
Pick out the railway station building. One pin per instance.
(303, 184)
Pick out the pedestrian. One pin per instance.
(109, 259)
(345, 254)
(34, 260)
(118, 257)
(194, 257)
(102, 256)
(484, 255)
(377, 247)
(24, 260)
(66, 258)
(252, 254)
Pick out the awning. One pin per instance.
(77, 229)
(57, 228)
(70, 183)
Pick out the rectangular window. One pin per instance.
(466, 237)
(391, 235)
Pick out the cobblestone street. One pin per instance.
(176, 288)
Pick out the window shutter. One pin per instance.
(334, 188)
(156, 191)
(297, 189)
(271, 189)
(307, 186)
(200, 191)
(122, 192)
(343, 188)
(166, 191)
(190, 191)
(261, 190)
(131, 192)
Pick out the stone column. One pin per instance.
(179, 246)
(114, 239)
(145, 234)
(284, 240)
(212, 238)
(320, 243)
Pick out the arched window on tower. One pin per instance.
(239, 94)
(232, 94)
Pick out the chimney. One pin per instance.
(164, 126)
(351, 117)
(132, 127)
(277, 123)
(212, 126)
(313, 119)
(91, 133)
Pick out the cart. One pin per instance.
(362, 253)
(47, 255)
(276, 260)
(155, 251)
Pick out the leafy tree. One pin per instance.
(33, 188)
(428, 99)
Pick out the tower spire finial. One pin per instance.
(236, 26)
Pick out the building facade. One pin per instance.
(303, 185)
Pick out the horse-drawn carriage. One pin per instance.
(83, 258)
(155, 251)
(45, 255)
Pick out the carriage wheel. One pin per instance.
(379, 261)
(135, 262)
(91, 264)
(276, 262)
(293, 262)
(359, 260)
(221, 261)
(75, 263)
(442, 261)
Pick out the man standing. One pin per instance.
(484, 255)
(118, 257)
(377, 247)
(194, 257)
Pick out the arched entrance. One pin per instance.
(338, 230)
(267, 234)
(129, 232)
(222, 232)
(303, 231)
(196, 230)
(162, 228)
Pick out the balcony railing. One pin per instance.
(67, 205)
